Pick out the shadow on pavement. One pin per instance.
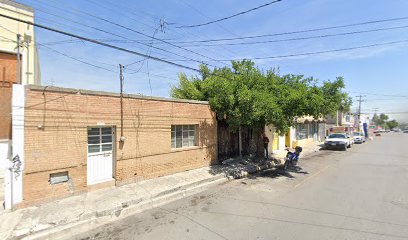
(276, 172)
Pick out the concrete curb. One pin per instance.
(122, 210)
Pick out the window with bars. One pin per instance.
(183, 136)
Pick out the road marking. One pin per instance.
(310, 177)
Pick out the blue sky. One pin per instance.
(380, 70)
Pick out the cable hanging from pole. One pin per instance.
(99, 43)
(229, 17)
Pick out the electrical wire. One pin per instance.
(83, 61)
(99, 43)
(143, 34)
(76, 59)
(379, 94)
(298, 31)
(229, 17)
(180, 65)
(117, 35)
(61, 53)
(301, 38)
(314, 53)
(201, 33)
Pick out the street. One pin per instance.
(357, 194)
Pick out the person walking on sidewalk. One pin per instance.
(266, 142)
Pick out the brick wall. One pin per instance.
(56, 122)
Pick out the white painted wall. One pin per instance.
(14, 194)
(4, 154)
(281, 144)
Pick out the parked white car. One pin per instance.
(358, 137)
(338, 141)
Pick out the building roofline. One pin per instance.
(109, 94)
(18, 5)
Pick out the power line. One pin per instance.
(141, 33)
(360, 100)
(100, 4)
(76, 59)
(389, 112)
(317, 52)
(61, 53)
(100, 43)
(87, 62)
(300, 38)
(229, 17)
(99, 39)
(298, 31)
(132, 12)
(379, 94)
(117, 35)
(205, 16)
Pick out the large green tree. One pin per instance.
(392, 124)
(244, 95)
(380, 120)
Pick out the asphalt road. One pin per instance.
(358, 194)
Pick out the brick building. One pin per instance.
(71, 141)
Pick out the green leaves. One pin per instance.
(381, 120)
(246, 96)
(392, 124)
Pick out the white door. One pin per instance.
(100, 155)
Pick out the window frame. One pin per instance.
(178, 137)
(101, 142)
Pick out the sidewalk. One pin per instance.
(236, 168)
(74, 214)
(89, 210)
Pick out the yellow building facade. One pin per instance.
(28, 66)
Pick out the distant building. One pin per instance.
(10, 29)
(306, 132)
(13, 69)
(340, 119)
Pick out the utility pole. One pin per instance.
(359, 110)
(121, 78)
(18, 76)
(375, 110)
(375, 113)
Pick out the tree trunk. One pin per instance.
(337, 118)
(240, 141)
